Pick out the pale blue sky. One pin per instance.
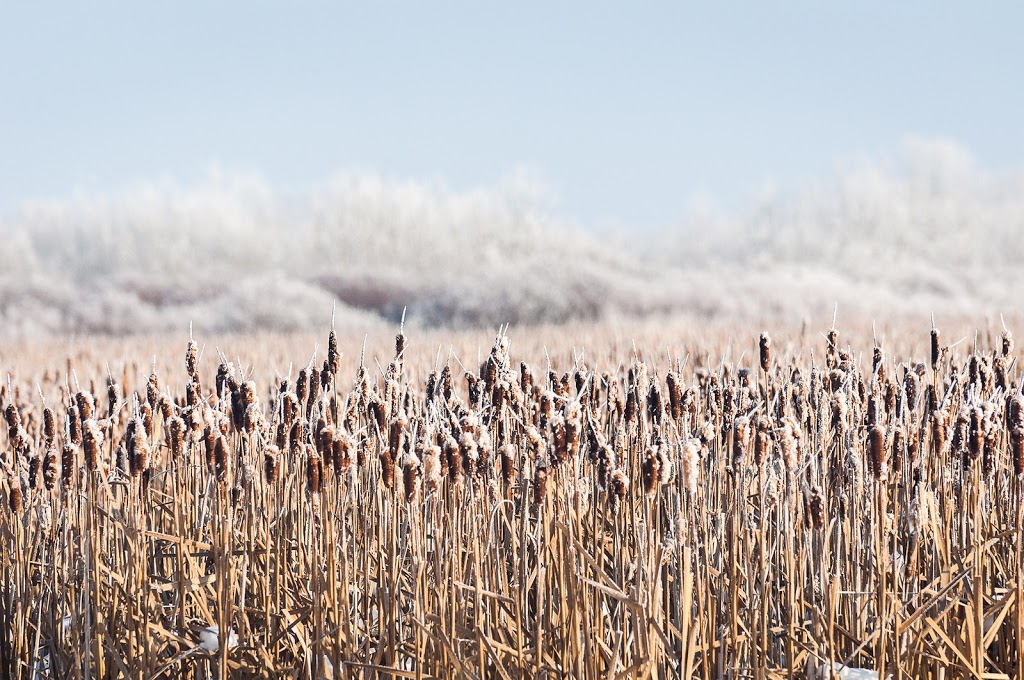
(625, 113)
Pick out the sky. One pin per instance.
(626, 114)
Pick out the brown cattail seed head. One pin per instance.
(191, 357)
(49, 426)
(50, 469)
(540, 484)
(936, 350)
(762, 440)
(14, 500)
(221, 458)
(92, 440)
(270, 463)
(618, 485)
(1017, 450)
(176, 436)
(314, 469)
(67, 463)
(508, 468)
(432, 470)
(650, 470)
(85, 405)
(153, 390)
(333, 356)
(411, 477)
(138, 448)
(766, 351)
(876, 452)
(816, 508)
(74, 425)
(34, 463)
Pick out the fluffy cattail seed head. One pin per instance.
(540, 484)
(270, 463)
(85, 405)
(432, 468)
(690, 464)
(50, 469)
(191, 357)
(314, 471)
(92, 440)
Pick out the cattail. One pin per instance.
(789, 444)
(314, 471)
(49, 426)
(92, 440)
(618, 485)
(451, 453)
(153, 390)
(333, 356)
(469, 452)
(649, 470)
(112, 397)
(300, 387)
(13, 417)
(1017, 450)
(766, 351)
(176, 436)
(432, 468)
(1007, 343)
(50, 470)
(138, 447)
(762, 441)
(191, 360)
(896, 457)
(540, 484)
(655, 409)
(876, 452)
(270, 463)
(14, 500)
(146, 413)
(314, 391)
(508, 470)
(607, 461)
(85, 405)
(67, 464)
(976, 435)
(690, 465)
(936, 350)
(399, 344)
(74, 425)
(832, 348)
(411, 476)
(342, 457)
(166, 408)
(816, 508)
(34, 463)
(740, 439)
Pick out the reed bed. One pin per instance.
(725, 507)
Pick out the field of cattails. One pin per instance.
(707, 502)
